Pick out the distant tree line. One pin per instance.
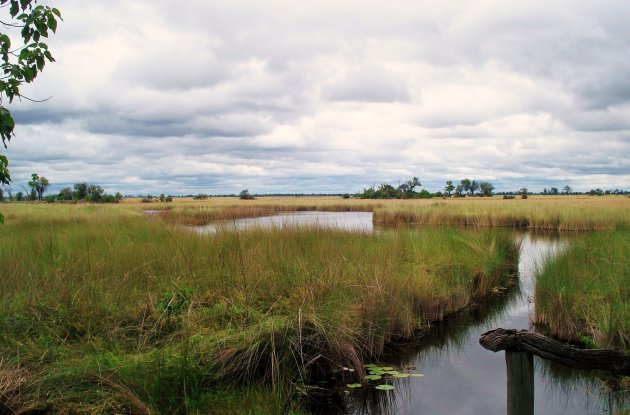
(407, 190)
(86, 193)
(38, 185)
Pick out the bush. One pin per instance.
(245, 195)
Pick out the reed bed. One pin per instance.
(583, 294)
(187, 211)
(567, 213)
(105, 311)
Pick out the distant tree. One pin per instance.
(118, 196)
(449, 187)
(387, 191)
(567, 190)
(162, 198)
(465, 183)
(553, 191)
(596, 192)
(486, 188)
(406, 189)
(474, 186)
(523, 192)
(19, 196)
(94, 193)
(200, 196)
(38, 185)
(80, 191)
(459, 189)
(65, 194)
(245, 195)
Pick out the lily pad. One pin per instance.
(353, 385)
(373, 377)
(368, 365)
(384, 387)
(391, 372)
(417, 375)
(387, 368)
(401, 375)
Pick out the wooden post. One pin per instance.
(520, 383)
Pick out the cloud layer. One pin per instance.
(278, 96)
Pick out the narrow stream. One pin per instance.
(461, 377)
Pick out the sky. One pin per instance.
(187, 97)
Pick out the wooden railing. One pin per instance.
(521, 345)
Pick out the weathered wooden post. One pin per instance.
(521, 345)
(520, 383)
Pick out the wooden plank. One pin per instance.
(546, 348)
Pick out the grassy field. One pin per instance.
(583, 294)
(104, 310)
(552, 213)
(560, 213)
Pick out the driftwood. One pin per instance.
(528, 341)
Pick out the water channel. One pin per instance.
(461, 377)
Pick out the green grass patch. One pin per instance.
(583, 294)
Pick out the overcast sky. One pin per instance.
(184, 97)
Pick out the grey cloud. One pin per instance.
(369, 84)
(327, 96)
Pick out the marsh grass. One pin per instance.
(103, 310)
(569, 213)
(583, 294)
(549, 213)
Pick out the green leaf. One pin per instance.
(52, 23)
(373, 377)
(401, 375)
(40, 63)
(353, 385)
(56, 12)
(384, 387)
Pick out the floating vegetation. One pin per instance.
(376, 372)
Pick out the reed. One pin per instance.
(103, 310)
(583, 294)
(567, 213)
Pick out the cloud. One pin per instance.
(189, 97)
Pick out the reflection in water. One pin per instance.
(350, 221)
(464, 378)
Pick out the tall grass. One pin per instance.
(568, 213)
(583, 294)
(102, 310)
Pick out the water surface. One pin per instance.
(461, 377)
(349, 221)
